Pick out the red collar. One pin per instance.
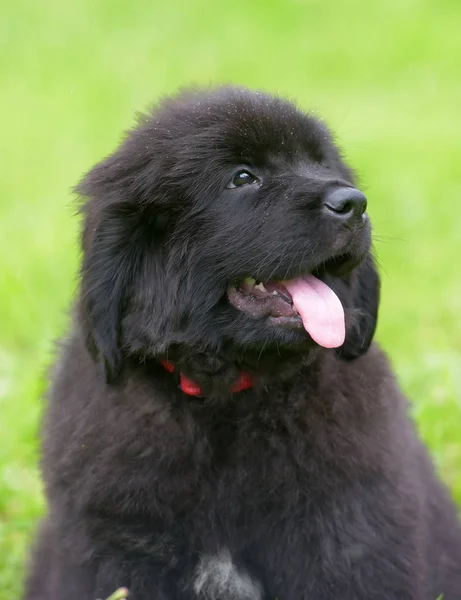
(193, 389)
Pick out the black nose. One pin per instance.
(347, 204)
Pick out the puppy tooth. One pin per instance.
(260, 287)
(275, 293)
(249, 281)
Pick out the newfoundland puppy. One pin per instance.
(220, 425)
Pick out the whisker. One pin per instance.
(388, 238)
(262, 349)
(264, 260)
(380, 264)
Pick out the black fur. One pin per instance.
(312, 484)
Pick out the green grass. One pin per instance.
(384, 74)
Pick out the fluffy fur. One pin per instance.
(217, 577)
(311, 485)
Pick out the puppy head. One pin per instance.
(226, 221)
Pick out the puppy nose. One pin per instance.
(347, 204)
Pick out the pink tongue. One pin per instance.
(320, 309)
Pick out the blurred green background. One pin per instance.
(384, 74)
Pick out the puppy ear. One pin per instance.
(365, 304)
(119, 224)
(111, 261)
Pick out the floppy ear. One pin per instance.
(365, 304)
(111, 262)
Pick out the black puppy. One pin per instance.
(219, 426)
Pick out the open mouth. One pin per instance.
(303, 302)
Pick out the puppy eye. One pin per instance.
(242, 178)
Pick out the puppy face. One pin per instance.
(227, 221)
